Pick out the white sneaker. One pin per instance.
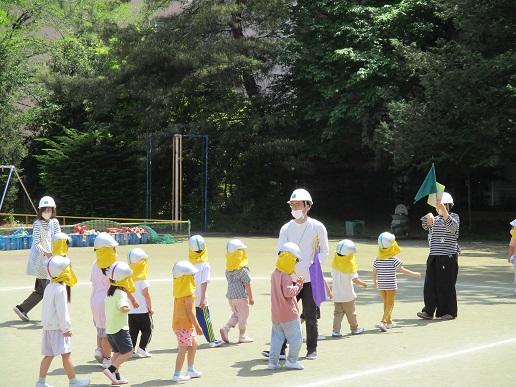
(194, 374)
(321, 337)
(111, 376)
(294, 365)
(311, 355)
(391, 325)
(245, 339)
(180, 378)
(382, 327)
(215, 344)
(272, 366)
(106, 363)
(141, 353)
(80, 383)
(98, 355)
(357, 331)
(336, 334)
(120, 381)
(38, 384)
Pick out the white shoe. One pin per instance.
(141, 353)
(336, 334)
(38, 384)
(391, 325)
(272, 366)
(357, 331)
(80, 383)
(382, 327)
(180, 378)
(98, 355)
(106, 363)
(194, 374)
(111, 376)
(311, 355)
(295, 365)
(245, 339)
(215, 344)
(321, 337)
(120, 381)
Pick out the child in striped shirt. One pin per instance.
(384, 271)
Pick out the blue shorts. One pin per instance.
(120, 341)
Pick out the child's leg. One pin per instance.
(106, 347)
(233, 320)
(349, 310)
(294, 336)
(146, 329)
(45, 365)
(191, 355)
(388, 305)
(67, 365)
(277, 339)
(242, 310)
(134, 328)
(203, 317)
(180, 359)
(338, 315)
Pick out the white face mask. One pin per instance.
(46, 215)
(297, 214)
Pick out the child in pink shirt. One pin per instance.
(285, 313)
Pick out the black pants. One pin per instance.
(439, 291)
(35, 297)
(140, 322)
(310, 315)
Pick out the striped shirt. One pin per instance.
(237, 280)
(386, 272)
(443, 234)
(42, 234)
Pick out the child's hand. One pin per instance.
(251, 301)
(429, 218)
(364, 285)
(202, 303)
(198, 330)
(135, 303)
(330, 295)
(151, 311)
(67, 334)
(417, 274)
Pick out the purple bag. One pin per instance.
(317, 281)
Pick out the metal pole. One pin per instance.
(6, 184)
(205, 183)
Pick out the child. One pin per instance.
(44, 228)
(512, 250)
(105, 251)
(117, 325)
(239, 293)
(183, 319)
(384, 271)
(56, 317)
(140, 319)
(198, 256)
(285, 312)
(344, 273)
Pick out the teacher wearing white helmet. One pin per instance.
(311, 237)
(442, 266)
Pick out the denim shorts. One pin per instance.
(120, 341)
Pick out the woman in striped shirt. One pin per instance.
(43, 231)
(442, 266)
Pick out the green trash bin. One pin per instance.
(355, 227)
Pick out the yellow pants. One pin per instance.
(388, 305)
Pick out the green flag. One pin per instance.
(429, 185)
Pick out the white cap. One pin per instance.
(46, 201)
(346, 247)
(234, 245)
(447, 198)
(183, 268)
(301, 195)
(513, 223)
(292, 248)
(386, 239)
(118, 271)
(136, 255)
(56, 264)
(104, 240)
(196, 243)
(61, 236)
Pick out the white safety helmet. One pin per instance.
(196, 243)
(183, 268)
(292, 248)
(118, 271)
(386, 239)
(513, 223)
(136, 255)
(56, 265)
(60, 236)
(104, 240)
(302, 195)
(346, 247)
(446, 198)
(234, 245)
(46, 201)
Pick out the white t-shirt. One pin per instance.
(342, 287)
(138, 294)
(304, 235)
(201, 277)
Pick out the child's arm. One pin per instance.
(146, 295)
(249, 292)
(189, 304)
(373, 275)
(409, 272)
(359, 282)
(512, 247)
(133, 300)
(202, 301)
(289, 290)
(328, 289)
